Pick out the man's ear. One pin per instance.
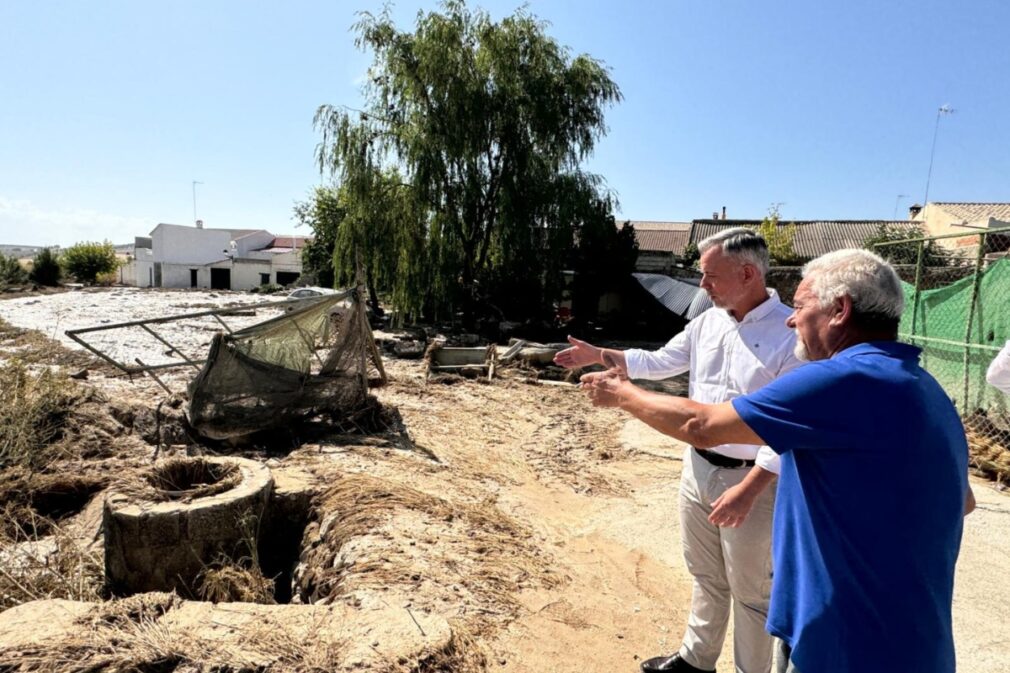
(749, 273)
(841, 311)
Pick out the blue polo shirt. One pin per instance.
(868, 513)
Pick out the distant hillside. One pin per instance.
(22, 251)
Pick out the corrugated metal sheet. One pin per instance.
(814, 237)
(681, 295)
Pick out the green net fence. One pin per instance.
(959, 314)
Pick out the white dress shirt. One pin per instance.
(998, 375)
(726, 359)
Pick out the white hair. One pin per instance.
(745, 244)
(867, 279)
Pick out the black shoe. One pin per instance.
(672, 664)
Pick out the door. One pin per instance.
(192, 277)
(220, 279)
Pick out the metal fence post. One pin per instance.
(918, 286)
(971, 319)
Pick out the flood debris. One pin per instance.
(316, 358)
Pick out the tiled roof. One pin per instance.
(296, 242)
(973, 212)
(814, 237)
(661, 236)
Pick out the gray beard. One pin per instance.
(800, 351)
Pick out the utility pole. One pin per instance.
(195, 183)
(943, 110)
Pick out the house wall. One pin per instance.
(178, 249)
(175, 244)
(940, 222)
(245, 274)
(654, 262)
(143, 268)
(287, 261)
(177, 275)
(243, 246)
(127, 272)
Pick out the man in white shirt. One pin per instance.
(998, 375)
(726, 508)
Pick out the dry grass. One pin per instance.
(33, 412)
(45, 418)
(31, 501)
(229, 581)
(989, 448)
(56, 565)
(467, 561)
(464, 653)
(128, 636)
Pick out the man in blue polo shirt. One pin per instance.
(873, 488)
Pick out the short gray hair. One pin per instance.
(872, 283)
(745, 244)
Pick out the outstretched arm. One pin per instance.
(583, 354)
(701, 425)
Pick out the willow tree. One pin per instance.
(368, 230)
(487, 123)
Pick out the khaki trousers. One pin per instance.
(729, 565)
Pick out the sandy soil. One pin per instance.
(584, 569)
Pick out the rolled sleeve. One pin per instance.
(768, 460)
(998, 374)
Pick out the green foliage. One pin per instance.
(779, 238)
(461, 174)
(933, 254)
(323, 214)
(605, 256)
(86, 261)
(46, 268)
(11, 271)
(691, 255)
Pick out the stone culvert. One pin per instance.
(184, 515)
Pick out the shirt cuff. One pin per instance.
(633, 363)
(768, 460)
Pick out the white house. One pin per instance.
(221, 259)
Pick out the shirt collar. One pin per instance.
(760, 311)
(895, 349)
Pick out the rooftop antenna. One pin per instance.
(943, 110)
(195, 183)
(897, 200)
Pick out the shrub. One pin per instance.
(46, 269)
(85, 261)
(11, 271)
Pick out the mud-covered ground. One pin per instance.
(542, 531)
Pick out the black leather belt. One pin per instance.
(720, 460)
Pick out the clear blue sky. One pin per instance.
(109, 110)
